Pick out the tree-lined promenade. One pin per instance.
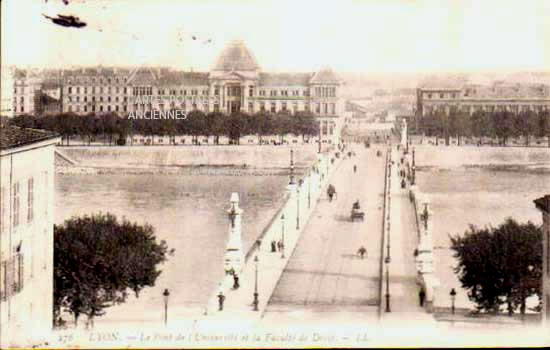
(501, 125)
(111, 127)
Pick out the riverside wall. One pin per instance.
(254, 156)
(456, 156)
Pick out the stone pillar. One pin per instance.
(234, 256)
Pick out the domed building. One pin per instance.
(235, 83)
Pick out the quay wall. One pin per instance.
(456, 156)
(266, 156)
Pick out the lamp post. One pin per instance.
(387, 261)
(309, 189)
(165, 296)
(283, 236)
(256, 301)
(298, 207)
(291, 182)
(453, 297)
(413, 169)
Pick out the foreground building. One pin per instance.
(543, 204)
(235, 84)
(446, 96)
(26, 235)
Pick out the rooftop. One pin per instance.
(236, 56)
(13, 136)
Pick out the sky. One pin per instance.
(284, 35)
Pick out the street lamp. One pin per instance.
(256, 301)
(291, 182)
(283, 236)
(453, 297)
(309, 189)
(387, 261)
(298, 207)
(165, 296)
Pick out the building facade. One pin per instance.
(26, 235)
(499, 96)
(543, 204)
(235, 84)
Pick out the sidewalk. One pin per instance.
(404, 300)
(238, 304)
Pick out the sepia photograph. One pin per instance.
(274, 174)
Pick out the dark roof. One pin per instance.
(283, 79)
(236, 56)
(543, 203)
(13, 136)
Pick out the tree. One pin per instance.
(500, 265)
(97, 259)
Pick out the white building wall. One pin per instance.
(26, 316)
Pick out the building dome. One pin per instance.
(236, 56)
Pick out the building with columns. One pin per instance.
(26, 235)
(543, 204)
(466, 97)
(236, 83)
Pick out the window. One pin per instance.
(251, 91)
(216, 91)
(18, 273)
(333, 108)
(85, 108)
(3, 280)
(429, 95)
(273, 107)
(262, 106)
(16, 204)
(284, 106)
(250, 107)
(318, 108)
(70, 90)
(441, 95)
(78, 89)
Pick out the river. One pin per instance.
(189, 212)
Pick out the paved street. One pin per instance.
(325, 274)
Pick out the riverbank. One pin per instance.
(205, 170)
(177, 156)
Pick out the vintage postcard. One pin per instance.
(274, 173)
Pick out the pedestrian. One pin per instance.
(221, 299)
(421, 297)
(279, 245)
(362, 252)
(235, 281)
(273, 246)
(355, 168)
